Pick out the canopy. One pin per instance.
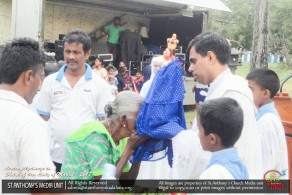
(211, 4)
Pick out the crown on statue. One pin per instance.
(172, 42)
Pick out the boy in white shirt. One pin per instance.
(264, 84)
(220, 123)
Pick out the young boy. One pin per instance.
(200, 91)
(220, 123)
(138, 82)
(111, 73)
(264, 85)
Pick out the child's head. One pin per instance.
(264, 84)
(122, 64)
(111, 80)
(111, 70)
(122, 71)
(138, 74)
(98, 62)
(92, 65)
(220, 122)
(107, 64)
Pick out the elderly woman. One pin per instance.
(98, 143)
(156, 63)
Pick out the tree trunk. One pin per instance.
(259, 56)
(286, 54)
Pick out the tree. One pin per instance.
(280, 26)
(259, 56)
(236, 25)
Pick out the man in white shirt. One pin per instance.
(209, 55)
(24, 140)
(72, 96)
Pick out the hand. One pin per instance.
(194, 88)
(134, 141)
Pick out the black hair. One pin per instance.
(224, 117)
(92, 64)
(20, 55)
(117, 18)
(122, 69)
(110, 68)
(108, 109)
(266, 79)
(210, 41)
(78, 36)
(99, 59)
(92, 58)
(122, 61)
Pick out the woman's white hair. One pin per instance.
(156, 60)
(126, 102)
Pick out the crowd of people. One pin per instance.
(121, 79)
(89, 115)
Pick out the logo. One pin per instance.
(272, 179)
(58, 92)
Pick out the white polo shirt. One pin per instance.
(24, 140)
(69, 107)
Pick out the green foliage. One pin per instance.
(236, 25)
(280, 37)
(280, 16)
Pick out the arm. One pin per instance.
(274, 143)
(116, 92)
(104, 73)
(46, 118)
(132, 174)
(44, 106)
(97, 150)
(34, 148)
(104, 30)
(97, 178)
(189, 159)
(133, 142)
(194, 89)
(100, 118)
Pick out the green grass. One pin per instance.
(243, 70)
(190, 115)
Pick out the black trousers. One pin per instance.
(113, 49)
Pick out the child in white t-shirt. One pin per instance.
(113, 87)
